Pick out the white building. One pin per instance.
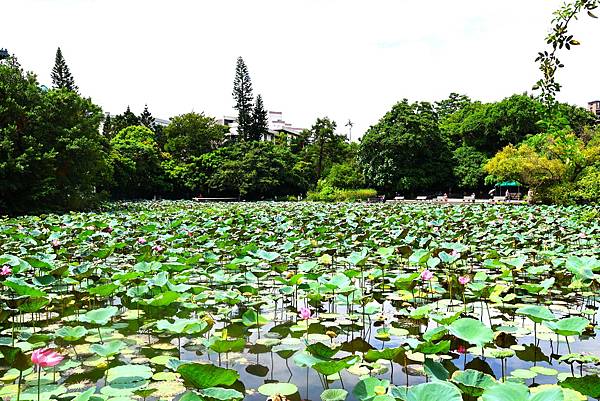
(276, 125)
(594, 107)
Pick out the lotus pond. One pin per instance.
(184, 301)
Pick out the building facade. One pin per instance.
(276, 126)
(594, 107)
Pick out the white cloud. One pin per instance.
(309, 58)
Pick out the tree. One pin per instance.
(61, 76)
(107, 126)
(251, 170)
(468, 167)
(405, 151)
(558, 168)
(260, 120)
(488, 127)
(242, 95)
(192, 134)
(345, 176)
(454, 103)
(146, 119)
(52, 155)
(137, 162)
(122, 121)
(322, 148)
(323, 132)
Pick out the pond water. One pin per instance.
(408, 294)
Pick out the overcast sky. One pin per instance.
(308, 58)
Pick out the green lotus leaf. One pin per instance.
(569, 327)
(20, 287)
(472, 382)
(430, 348)
(472, 331)
(86, 395)
(203, 376)
(321, 350)
(334, 394)
(164, 299)
(71, 333)
(108, 349)
(46, 392)
(191, 396)
(433, 391)
(435, 370)
(365, 389)
(15, 357)
(331, 367)
(587, 385)
(523, 374)
(124, 374)
(506, 392)
(181, 326)
(223, 394)
(536, 313)
(223, 346)
(103, 290)
(386, 353)
(271, 389)
(252, 319)
(100, 316)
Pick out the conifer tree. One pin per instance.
(147, 120)
(260, 120)
(61, 76)
(107, 126)
(127, 119)
(242, 94)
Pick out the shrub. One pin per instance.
(328, 193)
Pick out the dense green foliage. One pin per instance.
(424, 148)
(405, 150)
(137, 164)
(559, 168)
(52, 155)
(192, 135)
(58, 153)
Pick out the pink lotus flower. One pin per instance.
(426, 275)
(55, 243)
(46, 357)
(158, 248)
(6, 270)
(455, 253)
(582, 235)
(305, 313)
(108, 229)
(463, 280)
(141, 240)
(461, 349)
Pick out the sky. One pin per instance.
(344, 59)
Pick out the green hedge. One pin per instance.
(332, 194)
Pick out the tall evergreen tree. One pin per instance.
(146, 119)
(107, 126)
(242, 94)
(61, 76)
(260, 120)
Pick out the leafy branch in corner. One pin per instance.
(559, 38)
